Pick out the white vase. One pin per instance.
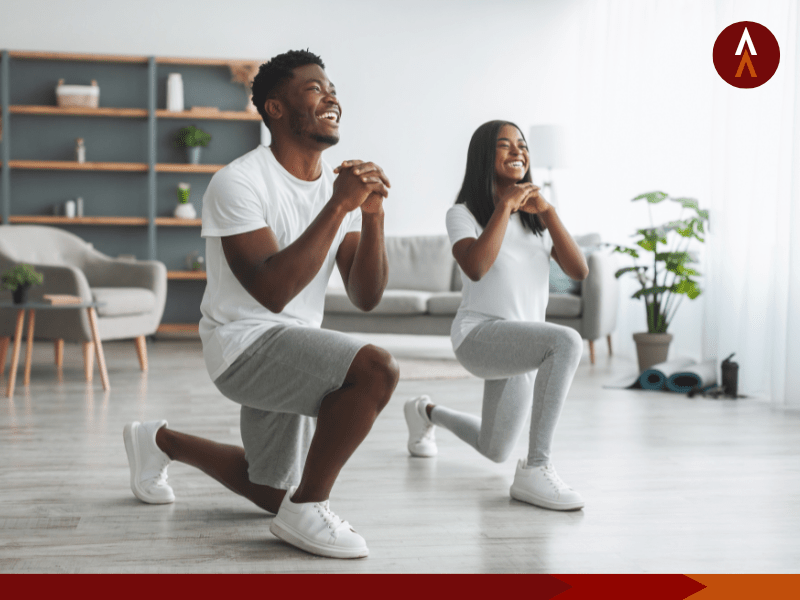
(185, 211)
(175, 92)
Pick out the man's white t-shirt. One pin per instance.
(252, 192)
(515, 288)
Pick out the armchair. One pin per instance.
(131, 294)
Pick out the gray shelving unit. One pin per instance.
(128, 183)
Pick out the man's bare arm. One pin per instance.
(273, 276)
(363, 263)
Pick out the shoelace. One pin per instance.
(556, 481)
(162, 473)
(427, 434)
(333, 520)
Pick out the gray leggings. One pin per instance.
(506, 355)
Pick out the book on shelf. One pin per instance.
(61, 299)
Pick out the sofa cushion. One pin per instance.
(120, 301)
(394, 302)
(560, 282)
(420, 263)
(456, 284)
(444, 303)
(564, 305)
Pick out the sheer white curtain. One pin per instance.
(652, 113)
(753, 280)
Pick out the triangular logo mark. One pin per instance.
(746, 61)
(746, 39)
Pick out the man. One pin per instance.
(275, 220)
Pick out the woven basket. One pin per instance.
(83, 96)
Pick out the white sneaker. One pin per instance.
(541, 486)
(313, 527)
(421, 431)
(148, 462)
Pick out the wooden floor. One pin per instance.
(672, 484)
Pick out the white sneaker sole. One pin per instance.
(410, 413)
(291, 536)
(134, 462)
(531, 498)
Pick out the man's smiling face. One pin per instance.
(312, 107)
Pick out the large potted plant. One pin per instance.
(193, 139)
(19, 279)
(666, 277)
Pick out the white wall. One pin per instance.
(633, 81)
(415, 77)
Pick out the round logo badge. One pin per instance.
(746, 54)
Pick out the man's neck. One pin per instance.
(301, 161)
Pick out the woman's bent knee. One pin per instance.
(497, 454)
(572, 341)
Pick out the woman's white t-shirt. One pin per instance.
(515, 288)
(252, 192)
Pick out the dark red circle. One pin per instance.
(763, 63)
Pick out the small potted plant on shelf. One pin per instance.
(185, 209)
(666, 277)
(19, 279)
(193, 139)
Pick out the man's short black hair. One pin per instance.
(276, 71)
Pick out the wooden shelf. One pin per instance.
(112, 58)
(185, 168)
(66, 165)
(179, 329)
(201, 62)
(221, 115)
(55, 220)
(21, 109)
(175, 222)
(186, 275)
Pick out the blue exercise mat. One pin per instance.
(652, 379)
(683, 382)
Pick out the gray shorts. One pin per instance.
(280, 381)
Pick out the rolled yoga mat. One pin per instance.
(658, 376)
(651, 379)
(700, 375)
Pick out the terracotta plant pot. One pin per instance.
(651, 348)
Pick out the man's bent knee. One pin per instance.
(377, 371)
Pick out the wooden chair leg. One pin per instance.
(591, 351)
(88, 360)
(4, 341)
(29, 347)
(608, 337)
(141, 351)
(59, 353)
(12, 372)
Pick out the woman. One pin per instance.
(503, 233)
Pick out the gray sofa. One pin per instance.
(424, 293)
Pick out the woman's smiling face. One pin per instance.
(511, 158)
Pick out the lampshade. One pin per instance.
(547, 146)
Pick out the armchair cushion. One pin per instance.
(120, 301)
(564, 306)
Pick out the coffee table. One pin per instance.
(32, 307)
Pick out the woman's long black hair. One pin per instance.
(479, 187)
